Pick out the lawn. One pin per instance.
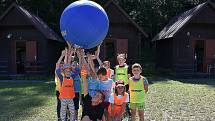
(166, 100)
(27, 102)
(177, 101)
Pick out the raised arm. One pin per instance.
(91, 67)
(66, 56)
(84, 77)
(84, 69)
(97, 56)
(79, 58)
(71, 51)
(60, 59)
(97, 51)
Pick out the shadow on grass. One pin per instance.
(17, 100)
(209, 82)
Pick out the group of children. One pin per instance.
(103, 94)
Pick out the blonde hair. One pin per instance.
(136, 65)
(121, 56)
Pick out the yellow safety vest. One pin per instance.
(57, 83)
(137, 92)
(122, 74)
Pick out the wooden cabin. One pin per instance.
(27, 44)
(187, 43)
(124, 36)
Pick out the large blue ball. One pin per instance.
(84, 23)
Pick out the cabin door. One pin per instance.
(199, 54)
(20, 57)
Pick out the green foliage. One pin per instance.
(151, 15)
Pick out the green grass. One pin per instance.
(27, 102)
(180, 101)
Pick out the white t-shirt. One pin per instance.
(111, 99)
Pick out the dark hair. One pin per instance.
(103, 96)
(102, 71)
(116, 92)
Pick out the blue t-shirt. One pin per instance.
(59, 75)
(77, 80)
(92, 86)
(106, 88)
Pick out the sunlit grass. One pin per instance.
(169, 99)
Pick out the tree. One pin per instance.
(151, 15)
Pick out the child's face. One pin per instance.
(120, 90)
(96, 99)
(106, 64)
(136, 71)
(102, 77)
(67, 72)
(121, 61)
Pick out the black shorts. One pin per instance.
(76, 100)
(106, 105)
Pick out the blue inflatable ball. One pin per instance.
(84, 23)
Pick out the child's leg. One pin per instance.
(63, 109)
(76, 103)
(127, 104)
(133, 114)
(71, 109)
(106, 105)
(133, 107)
(58, 105)
(141, 115)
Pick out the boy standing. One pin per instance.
(138, 86)
(59, 65)
(67, 92)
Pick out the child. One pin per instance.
(104, 85)
(92, 105)
(57, 82)
(121, 70)
(75, 71)
(67, 92)
(118, 102)
(110, 72)
(77, 85)
(138, 86)
(121, 73)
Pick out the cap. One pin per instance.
(120, 83)
(66, 66)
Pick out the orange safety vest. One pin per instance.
(117, 105)
(108, 73)
(67, 89)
